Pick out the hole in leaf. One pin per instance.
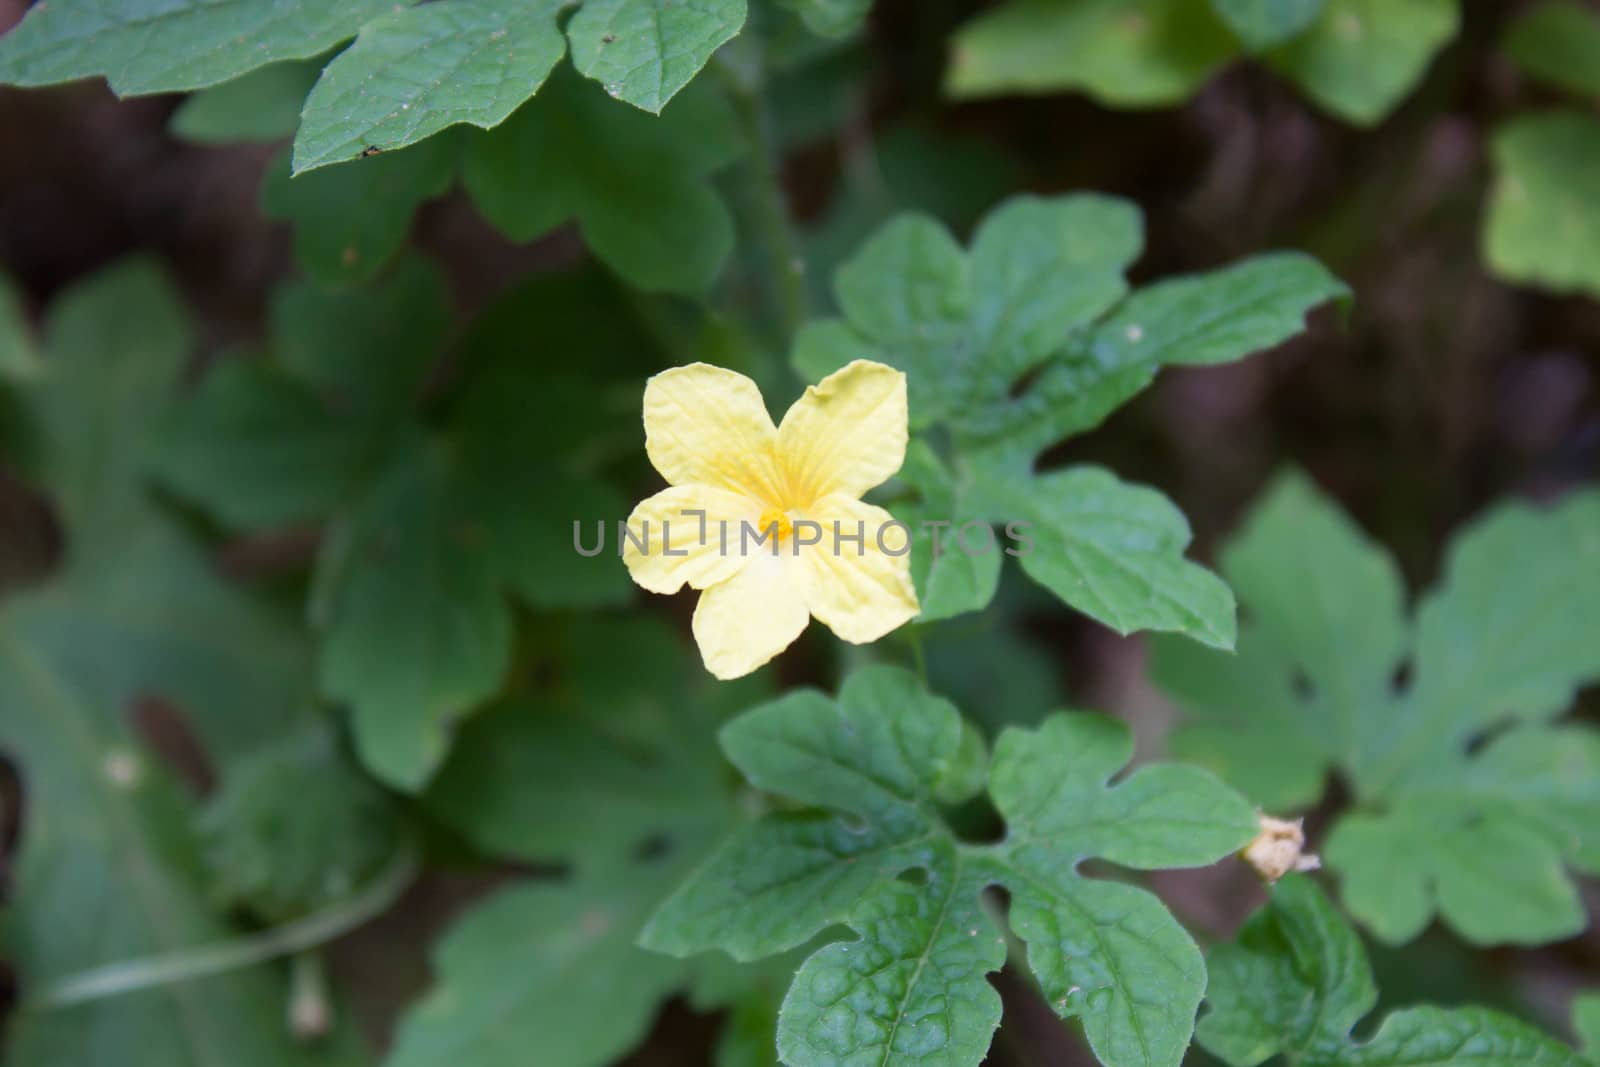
(996, 901)
(976, 821)
(31, 531)
(1400, 680)
(913, 876)
(653, 849)
(1021, 386)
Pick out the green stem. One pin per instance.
(918, 656)
(769, 204)
(185, 964)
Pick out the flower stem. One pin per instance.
(918, 656)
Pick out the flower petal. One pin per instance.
(860, 593)
(706, 425)
(847, 434)
(670, 546)
(746, 620)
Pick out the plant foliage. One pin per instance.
(134, 613)
(298, 609)
(1029, 337)
(1470, 801)
(1297, 981)
(1356, 59)
(869, 848)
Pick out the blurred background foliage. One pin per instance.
(1459, 206)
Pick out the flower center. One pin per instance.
(780, 518)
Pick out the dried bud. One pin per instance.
(1279, 849)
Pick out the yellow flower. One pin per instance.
(778, 540)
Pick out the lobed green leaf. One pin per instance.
(1296, 981)
(1361, 57)
(1124, 53)
(403, 498)
(418, 70)
(1260, 24)
(1558, 42)
(350, 221)
(1029, 337)
(1543, 228)
(136, 612)
(637, 186)
(645, 51)
(1466, 803)
(159, 46)
(872, 851)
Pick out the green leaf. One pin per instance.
(351, 220)
(950, 581)
(644, 51)
(912, 989)
(135, 612)
(263, 105)
(259, 448)
(1586, 1020)
(1028, 338)
(1296, 981)
(158, 46)
(416, 630)
(18, 361)
(872, 851)
(831, 18)
(1099, 948)
(600, 763)
(430, 526)
(1260, 24)
(636, 185)
(1204, 319)
(1558, 42)
(1308, 688)
(609, 772)
(750, 1035)
(1543, 227)
(1362, 57)
(294, 828)
(288, 439)
(1124, 53)
(1466, 804)
(1051, 786)
(1114, 551)
(418, 70)
(546, 966)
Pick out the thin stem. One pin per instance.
(918, 656)
(769, 204)
(185, 964)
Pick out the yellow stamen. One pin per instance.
(777, 517)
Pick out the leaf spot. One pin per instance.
(122, 769)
